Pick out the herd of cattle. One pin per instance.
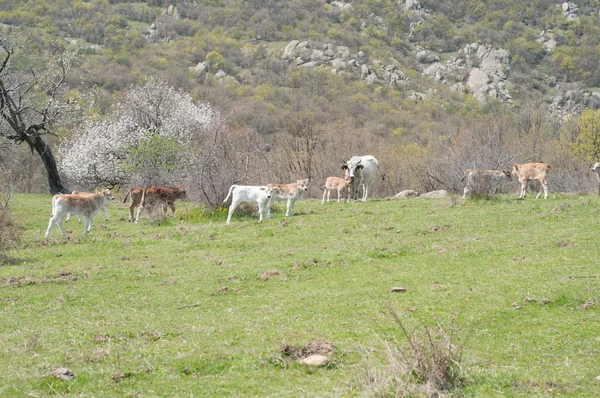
(359, 173)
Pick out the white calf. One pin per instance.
(245, 193)
(78, 217)
(87, 205)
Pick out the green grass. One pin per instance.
(180, 307)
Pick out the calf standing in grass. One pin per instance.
(163, 196)
(244, 193)
(480, 180)
(88, 205)
(340, 184)
(78, 217)
(290, 192)
(532, 171)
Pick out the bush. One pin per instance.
(10, 232)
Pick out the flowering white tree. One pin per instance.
(147, 137)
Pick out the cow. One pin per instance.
(596, 169)
(290, 192)
(79, 217)
(165, 196)
(532, 171)
(480, 180)
(340, 184)
(87, 205)
(249, 193)
(361, 170)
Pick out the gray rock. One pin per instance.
(288, 51)
(427, 57)
(435, 194)
(372, 78)
(317, 55)
(364, 72)
(338, 64)
(315, 360)
(407, 193)
(201, 67)
(220, 74)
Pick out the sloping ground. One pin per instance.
(204, 308)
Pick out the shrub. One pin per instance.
(10, 232)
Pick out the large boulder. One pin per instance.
(408, 193)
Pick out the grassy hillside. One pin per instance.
(195, 306)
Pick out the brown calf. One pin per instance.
(532, 171)
(165, 196)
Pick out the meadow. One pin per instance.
(193, 307)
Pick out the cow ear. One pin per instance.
(344, 167)
(360, 166)
(516, 166)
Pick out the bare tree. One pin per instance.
(28, 102)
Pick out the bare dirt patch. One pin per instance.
(317, 347)
(25, 280)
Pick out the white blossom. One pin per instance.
(97, 154)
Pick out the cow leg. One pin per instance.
(231, 210)
(290, 208)
(261, 210)
(523, 189)
(544, 188)
(105, 213)
(172, 207)
(86, 223)
(324, 194)
(140, 209)
(131, 210)
(60, 221)
(339, 191)
(68, 217)
(366, 191)
(50, 226)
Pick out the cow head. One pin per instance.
(302, 185)
(179, 192)
(596, 167)
(507, 174)
(352, 168)
(270, 191)
(108, 195)
(515, 169)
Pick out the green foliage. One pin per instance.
(586, 144)
(155, 157)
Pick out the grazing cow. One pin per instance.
(162, 196)
(87, 205)
(340, 184)
(290, 192)
(532, 171)
(79, 217)
(596, 169)
(361, 170)
(480, 180)
(245, 193)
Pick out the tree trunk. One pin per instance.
(43, 149)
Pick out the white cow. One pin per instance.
(246, 193)
(480, 180)
(596, 169)
(362, 172)
(87, 205)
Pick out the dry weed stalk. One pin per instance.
(429, 363)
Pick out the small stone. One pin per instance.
(398, 290)
(315, 360)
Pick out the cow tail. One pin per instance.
(382, 173)
(126, 196)
(54, 198)
(229, 193)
